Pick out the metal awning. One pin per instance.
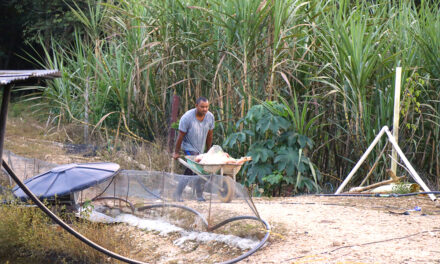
(7, 80)
(9, 76)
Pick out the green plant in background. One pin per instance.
(354, 72)
(87, 209)
(276, 148)
(411, 100)
(272, 182)
(128, 58)
(354, 50)
(403, 187)
(426, 34)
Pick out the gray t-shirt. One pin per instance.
(196, 131)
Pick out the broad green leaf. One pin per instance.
(256, 113)
(270, 143)
(302, 140)
(287, 159)
(274, 178)
(248, 132)
(239, 122)
(290, 137)
(289, 179)
(302, 167)
(259, 171)
(276, 108)
(259, 153)
(272, 123)
(232, 139)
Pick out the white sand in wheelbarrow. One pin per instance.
(216, 155)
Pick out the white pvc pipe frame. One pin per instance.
(402, 156)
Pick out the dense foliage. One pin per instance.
(276, 148)
(128, 58)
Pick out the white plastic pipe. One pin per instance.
(362, 159)
(396, 117)
(408, 165)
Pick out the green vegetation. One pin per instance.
(276, 148)
(301, 86)
(330, 64)
(404, 187)
(27, 235)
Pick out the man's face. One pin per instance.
(202, 108)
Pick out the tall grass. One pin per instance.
(354, 50)
(428, 41)
(333, 59)
(27, 235)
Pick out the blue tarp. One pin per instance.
(66, 179)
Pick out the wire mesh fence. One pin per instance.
(198, 208)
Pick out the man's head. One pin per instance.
(202, 105)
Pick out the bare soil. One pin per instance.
(351, 230)
(307, 229)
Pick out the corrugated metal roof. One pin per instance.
(8, 76)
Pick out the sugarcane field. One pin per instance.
(236, 131)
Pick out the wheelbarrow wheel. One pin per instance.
(227, 190)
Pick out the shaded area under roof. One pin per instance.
(9, 76)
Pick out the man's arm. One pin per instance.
(176, 153)
(209, 140)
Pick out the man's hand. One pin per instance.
(178, 144)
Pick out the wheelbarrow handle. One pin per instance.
(189, 167)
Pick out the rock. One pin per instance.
(189, 246)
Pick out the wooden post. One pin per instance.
(3, 115)
(396, 118)
(174, 112)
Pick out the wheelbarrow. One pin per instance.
(226, 188)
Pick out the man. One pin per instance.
(195, 133)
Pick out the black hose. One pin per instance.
(105, 189)
(148, 190)
(416, 193)
(252, 251)
(378, 194)
(112, 254)
(115, 198)
(239, 258)
(177, 206)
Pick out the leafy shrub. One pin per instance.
(278, 151)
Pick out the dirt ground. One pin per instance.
(351, 230)
(314, 229)
(318, 229)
